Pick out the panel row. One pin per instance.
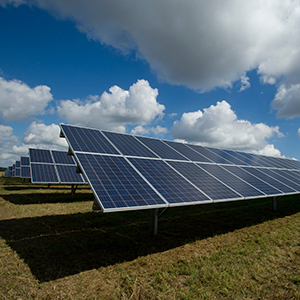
(130, 183)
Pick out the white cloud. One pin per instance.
(157, 130)
(245, 83)
(200, 44)
(269, 150)
(18, 101)
(287, 101)
(218, 126)
(298, 133)
(116, 109)
(7, 138)
(44, 136)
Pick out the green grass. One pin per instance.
(52, 246)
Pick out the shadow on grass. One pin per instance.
(48, 197)
(59, 246)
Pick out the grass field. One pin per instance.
(53, 247)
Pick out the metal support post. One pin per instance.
(154, 222)
(274, 204)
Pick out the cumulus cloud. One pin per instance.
(287, 101)
(7, 140)
(269, 150)
(18, 101)
(219, 126)
(43, 136)
(200, 44)
(157, 130)
(116, 109)
(6, 137)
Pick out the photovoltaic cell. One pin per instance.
(174, 188)
(161, 149)
(234, 182)
(116, 184)
(87, 140)
(128, 145)
(204, 181)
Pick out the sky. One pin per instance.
(219, 73)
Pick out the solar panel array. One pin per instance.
(128, 172)
(51, 166)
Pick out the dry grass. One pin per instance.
(52, 247)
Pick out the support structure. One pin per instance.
(73, 190)
(154, 222)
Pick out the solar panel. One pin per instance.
(116, 184)
(43, 173)
(62, 157)
(129, 172)
(208, 184)
(87, 140)
(272, 181)
(281, 178)
(67, 174)
(129, 145)
(59, 162)
(254, 181)
(188, 152)
(25, 167)
(174, 188)
(226, 155)
(239, 185)
(213, 157)
(40, 155)
(161, 149)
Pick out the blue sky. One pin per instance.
(220, 73)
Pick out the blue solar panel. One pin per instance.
(174, 188)
(67, 174)
(205, 182)
(281, 178)
(18, 164)
(40, 155)
(87, 140)
(233, 181)
(227, 156)
(24, 161)
(272, 181)
(187, 151)
(254, 181)
(25, 172)
(116, 184)
(213, 157)
(161, 149)
(129, 145)
(62, 157)
(43, 173)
